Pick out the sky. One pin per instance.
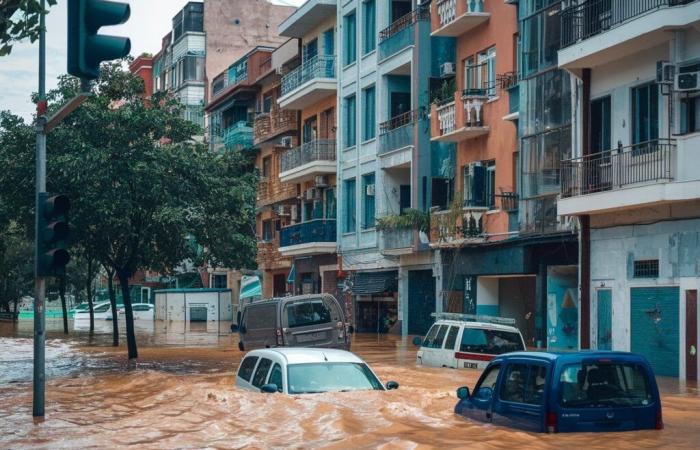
(150, 20)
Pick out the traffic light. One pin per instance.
(53, 231)
(86, 48)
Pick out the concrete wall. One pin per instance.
(175, 306)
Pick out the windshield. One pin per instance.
(593, 385)
(490, 342)
(325, 377)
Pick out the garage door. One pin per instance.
(421, 301)
(198, 314)
(654, 327)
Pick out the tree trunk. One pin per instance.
(130, 336)
(62, 294)
(88, 291)
(113, 302)
(16, 318)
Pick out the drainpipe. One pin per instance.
(585, 222)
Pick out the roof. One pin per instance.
(485, 325)
(298, 355)
(188, 290)
(573, 356)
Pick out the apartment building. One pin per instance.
(179, 65)
(308, 85)
(632, 180)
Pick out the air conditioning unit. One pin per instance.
(447, 69)
(665, 72)
(286, 142)
(689, 81)
(282, 210)
(370, 190)
(472, 167)
(321, 181)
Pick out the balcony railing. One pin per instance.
(320, 230)
(456, 227)
(399, 34)
(450, 117)
(539, 216)
(320, 66)
(277, 121)
(646, 162)
(447, 9)
(317, 150)
(592, 17)
(397, 132)
(397, 239)
(238, 136)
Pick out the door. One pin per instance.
(279, 285)
(431, 350)
(258, 328)
(309, 323)
(691, 335)
(421, 301)
(654, 327)
(447, 355)
(400, 103)
(479, 406)
(520, 399)
(604, 319)
(404, 197)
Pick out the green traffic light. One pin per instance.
(53, 231)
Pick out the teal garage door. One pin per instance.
(654, 327)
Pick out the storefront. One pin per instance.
(375, 297)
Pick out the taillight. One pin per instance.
(280, 341)
(659, 420)
(551, 423)
(341, 330)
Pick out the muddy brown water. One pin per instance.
(181, 394)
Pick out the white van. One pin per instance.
(467, 341)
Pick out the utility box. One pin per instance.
(194, 305)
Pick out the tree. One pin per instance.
(19, 19)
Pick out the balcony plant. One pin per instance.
(410, 219)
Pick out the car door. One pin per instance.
(259, 326)
(245, 372)
(432, 346)
(276, 377)
(519, 402)
(447, 356)
(479, 405)
(308, 323)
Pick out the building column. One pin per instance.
(585, 222)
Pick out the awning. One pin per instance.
(250, 287)
(367, 283)
(292, 274)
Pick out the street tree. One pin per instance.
(19, 19)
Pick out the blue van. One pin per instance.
(548, 392)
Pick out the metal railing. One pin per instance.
(271, 123)
(397, 132)
(238, 136)
(447, 9)
(319, 66)
(645, 162)
(539, 216)
(399, 34)
(592, 17)
(316, 150)
(319, 230)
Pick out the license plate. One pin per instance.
(470, 365)
(310, 337)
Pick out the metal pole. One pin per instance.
(39, 281)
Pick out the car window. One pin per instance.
(102, 308)
(261, 372)
(595, 384)
(524, 383)
(307, 313)
(451, 338)
(491, 342)
(276, 376)
(247, 366)
(141, 307)
(324, 377)
(436, 342)
(487, 381)
(430, 337)
(536, 384)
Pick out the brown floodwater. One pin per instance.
(181, 394)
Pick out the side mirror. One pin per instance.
(463, 393)
(417, 341)
(269, 388)
(391, 385)
(234, 328)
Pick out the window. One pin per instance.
(219, 281)
(646, 268)
(266, 167)
(350, 118)
(370, 29)
(487, 383)
(368, 205)
(435, 336)
(451, 338)
(330, 203)
(307, 313)
(524, 384)
(541, 36)
(690, 115)
(323, 377)
(487, 71)
(469, 73)
(141, 307)
(645, 113)
(101, 309)
(368, 115)
(349, 190)
(267, 230)
(276, 377)
(594, 385)
(261, 372)
(350, 40)
(600, 125)
(245, 371)
(310, 129)
(309, 50)
(490, 342)
(490, 185)
(267, 103)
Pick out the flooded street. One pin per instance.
(181, 394)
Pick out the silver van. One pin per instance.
(315, 320)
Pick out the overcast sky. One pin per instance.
(150, 21)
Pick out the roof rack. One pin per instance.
(473, 318)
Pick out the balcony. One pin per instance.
(456, 17)
(238, 136)
(272, 124)
(457, 228)
(309, 238)
(308, 160)
(539, 216)
(307, 17)
(397, 242)
(460, 119)
(272, 190)
(310, 82)
(400, 34)
(596, 32)
(269, 258)
(657, 172)
(509, 82)
(398, 132)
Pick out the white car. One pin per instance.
(141, 311)
(101, 311)
(467, 341)
(293, 370)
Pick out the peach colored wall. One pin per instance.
(317, 108)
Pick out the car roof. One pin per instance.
(299, 355)
(571, 357)
(483, 325)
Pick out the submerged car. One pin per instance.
(467, 341)
(101, 311)
(306, 371)
(548, 392)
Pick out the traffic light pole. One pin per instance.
(40, 281)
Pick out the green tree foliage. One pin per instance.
(19, 19)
